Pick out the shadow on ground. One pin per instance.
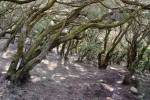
(52, 80)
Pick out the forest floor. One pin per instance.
(52, 80)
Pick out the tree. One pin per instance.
(43, 23)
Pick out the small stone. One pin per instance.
(134, 90)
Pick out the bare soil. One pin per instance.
(52, 80)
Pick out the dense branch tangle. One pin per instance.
(19, 1)
(52, 35)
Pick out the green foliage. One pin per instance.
(90, 45)
(147, 14)
(39, 27)
(144, 64)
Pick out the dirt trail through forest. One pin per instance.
(52, 80)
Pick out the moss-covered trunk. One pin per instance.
(103, 63)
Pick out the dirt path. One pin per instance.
(144, 87)
(52, 80)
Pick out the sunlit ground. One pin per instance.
(54, 74)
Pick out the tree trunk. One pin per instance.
(102, 64)
(62, 51)
(68, 50)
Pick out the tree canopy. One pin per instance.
(101, 31)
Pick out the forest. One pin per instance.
(74, 49)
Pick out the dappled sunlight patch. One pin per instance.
(3, 72)
(108, 87)
(7, 66)
(4, 66)
(80, 68)
(119, 88)
(122, 71)
(119, 82)
(43, 77)
(58, 77)
(113, 68)
(118, 69)
(73, 76)
(109, 98)
(57, 74)
(73, 58)
(8, 54)
(67, 67)
(50, 65)
(41, 71)
(35, 79)
(5, 55)
(62, 78)
(45, 61)
(101, 80)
